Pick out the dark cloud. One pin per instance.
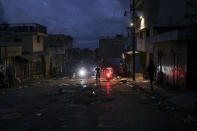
(85, 20)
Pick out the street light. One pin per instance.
(131, 24)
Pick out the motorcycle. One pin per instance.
(108, 73)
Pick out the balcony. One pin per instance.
(26, 27)
(178, 34)
(144, 45)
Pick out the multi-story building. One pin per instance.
(112, 47)
(167, 29)
(30, 37)
(111, 50)
(58, 46)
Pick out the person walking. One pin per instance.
(97, 72)
(151, 73)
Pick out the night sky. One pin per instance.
(85, 20)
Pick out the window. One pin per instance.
(38, 39)
(141, 35)
(147, 33)
(17, 40)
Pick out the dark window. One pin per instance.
(18, 40)
(141, 35)
(147, 33)
(38, 39)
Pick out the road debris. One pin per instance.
(38, 114)
(123, 81)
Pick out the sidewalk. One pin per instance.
(181, 99)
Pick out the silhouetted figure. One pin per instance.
(97, 73)
(10, 71)
(151, 73)
(2, 75)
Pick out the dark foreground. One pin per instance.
(70, 104)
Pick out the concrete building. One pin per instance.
(112, 47)
(30, 37)
(58, 46)
(111, 50)
(166, 31)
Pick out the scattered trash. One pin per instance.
(38, 114)
(74, 75)
(130, 85)
(93, 93)
(62, 90)
(63, 84)
(191, 118)
(84, 86)
(123, 81)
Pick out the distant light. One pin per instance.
(82, 72)
(131, 24)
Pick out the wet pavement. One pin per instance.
(82, 104)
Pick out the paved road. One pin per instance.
(74, 104)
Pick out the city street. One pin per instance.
(82, 104)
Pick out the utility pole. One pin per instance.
(132, 9)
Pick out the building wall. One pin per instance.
(171, 58)
(111, 48)
(150, 14)
(38, 43)
(27, 43)
(168, 12)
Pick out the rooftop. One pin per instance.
(24, 27)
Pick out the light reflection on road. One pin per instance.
(108, 88)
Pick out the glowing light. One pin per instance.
(82, 72)
(131, 24)
(108, 74)
(142, 24)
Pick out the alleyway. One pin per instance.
(74, 104)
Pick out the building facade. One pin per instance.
(111, 51)
(58, 46)
(29, 36)
(167, 29)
